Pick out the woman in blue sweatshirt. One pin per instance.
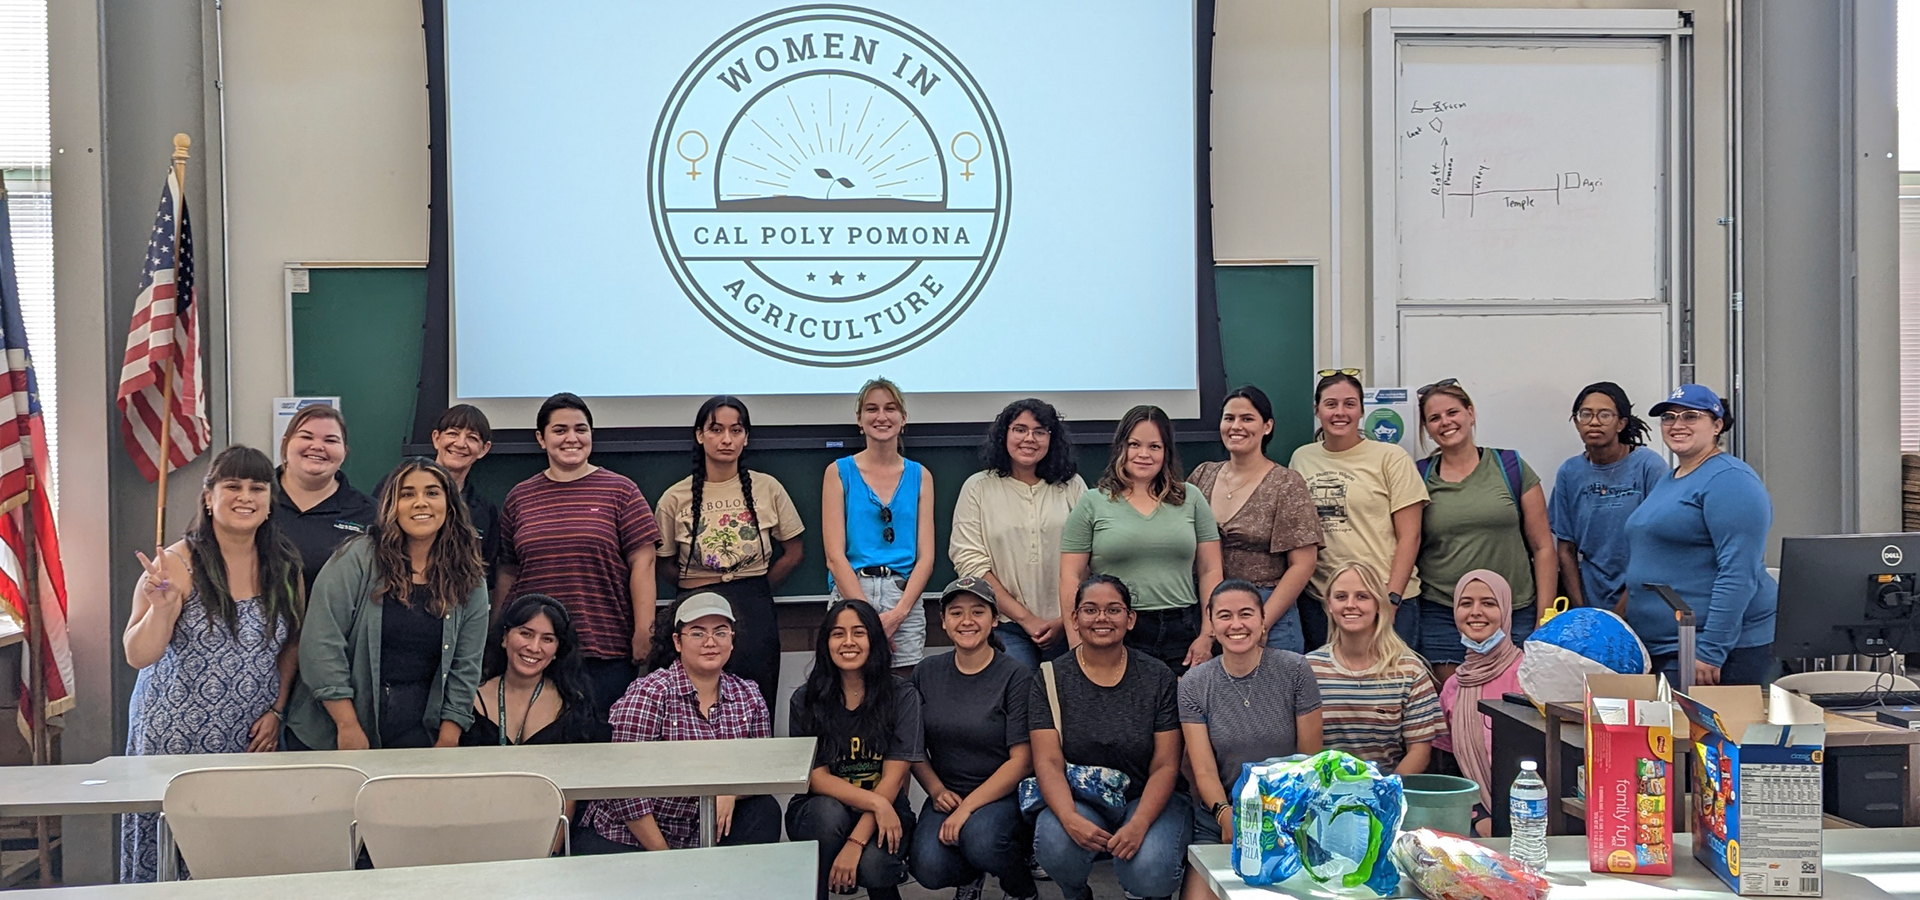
(1703, 531)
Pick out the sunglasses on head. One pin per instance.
(1348, 371)
(1428, 389)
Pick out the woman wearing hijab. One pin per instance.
(1483, 611)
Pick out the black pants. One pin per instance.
(403, 713)
(817, 817)
(609, 678)
(756, 820)
(1313, 621)
(1166, 635)
(756, 632)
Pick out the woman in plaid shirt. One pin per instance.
(687, 697)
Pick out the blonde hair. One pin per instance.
(1386, 646)
(881, 384)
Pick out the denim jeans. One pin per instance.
(1743, 665)
(1166, 634)
(994, 840)
(1153, 872)
(1022, 649)
(818, 817)
(1285, 633)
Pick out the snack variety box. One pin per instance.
(1629, 774)
(1757, 788)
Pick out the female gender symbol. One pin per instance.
(693, 162)
(966, 162)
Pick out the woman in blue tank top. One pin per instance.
(880, 545)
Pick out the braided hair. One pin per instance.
(700, 420)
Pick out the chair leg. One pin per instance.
(165, 870)
(566, 837)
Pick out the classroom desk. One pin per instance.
(773, 871)
(703, 769)
(1860, 863)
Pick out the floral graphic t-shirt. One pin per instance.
(733, 540)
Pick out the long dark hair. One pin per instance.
(453, 564)
(700, 420)
(1169, 484)
(282, 588)
(1258, 399)
(1057, 467)
(1634, 433)
(567, 671)
(872, 722)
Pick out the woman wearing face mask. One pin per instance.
(1007, 523)
(1377, 700)
(1483, 613)
(1269, 531)
(390, 655)
(881, 551)
(720, 527)
(535, 690)
(586, 537)
(1486, 510)
(1147, 527)
(1117, 709)
(220, 609)
(689, 695)
(1597, 490)
(867, 722)
(1704, 532)
(974, 706)
(1370, 501)
(1248, 704)
(313, 504)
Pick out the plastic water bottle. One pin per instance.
(1528, 805)
(1247, 815)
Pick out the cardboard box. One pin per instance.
(1629, 780)
(1757, 788)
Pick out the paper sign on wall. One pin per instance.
(1392, 418)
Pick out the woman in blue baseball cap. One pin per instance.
(1703, 531)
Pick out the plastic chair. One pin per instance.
(430, 820)
(262, 820)
(1845, 682)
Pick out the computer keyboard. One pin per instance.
(1865, 699)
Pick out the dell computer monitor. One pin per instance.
(1848, 593)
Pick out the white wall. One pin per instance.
(327, 161)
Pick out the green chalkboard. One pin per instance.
(357, 333)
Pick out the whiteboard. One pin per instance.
(1561, 350)
(1529, 171)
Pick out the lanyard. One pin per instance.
(502, 706)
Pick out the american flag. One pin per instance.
(23, 487)
(165, 327)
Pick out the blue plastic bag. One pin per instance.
(1331, 815)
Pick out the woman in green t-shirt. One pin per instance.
(1144, 525)
(1485, 510)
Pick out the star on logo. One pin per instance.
(837, 277)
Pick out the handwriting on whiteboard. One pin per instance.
(1461, 186)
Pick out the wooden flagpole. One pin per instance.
(180, 144)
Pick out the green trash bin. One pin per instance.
(1440, 802)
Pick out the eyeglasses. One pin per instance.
(1428, 389)
(1349, 371)
(886, 518)
(1602, 416)
(700, 635)
(1691, 417)
(1115, 611)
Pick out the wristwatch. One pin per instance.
(1393, 598)
(1217, 807)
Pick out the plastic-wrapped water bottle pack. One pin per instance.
(1331, 815)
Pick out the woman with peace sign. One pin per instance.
(214, 634)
